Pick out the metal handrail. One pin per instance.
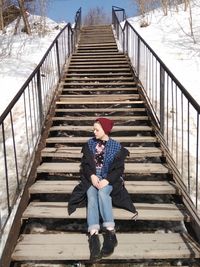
(23, 119)
(175, 111)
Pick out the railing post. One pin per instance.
(39, 87)
(58, 59)
(162, 99)
(69, 42)
(6, 169)
(138, 57)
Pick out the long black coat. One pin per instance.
(119, 194)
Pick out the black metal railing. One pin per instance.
(175, 111)
(22, 122)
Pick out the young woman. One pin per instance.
(102, 168)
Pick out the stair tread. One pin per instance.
(142, 168)
(133, 187)
(122, 139)
(146, 211)
(91, 118)
(96, 110)
(124, 102)
(90, 128)
(70, 246)
(75, 152)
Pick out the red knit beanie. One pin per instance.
(106, 124)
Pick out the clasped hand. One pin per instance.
(98, 183)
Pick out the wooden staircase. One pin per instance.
(99, 82)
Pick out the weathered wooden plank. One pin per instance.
(133, 187)
(112, 44)
(75, 79)
(126, 74)
(99, 110)
(97, 100)
(99, 89)
(92, 118)
(146, 211)
(134, 102)
(85, 83)
(72, 152)
(142, 168)
(98, 65)
(90, 128)
(68, 246)
(123, 139)
(99, 70)
(100, 61)
(95, 51)
(102, 97)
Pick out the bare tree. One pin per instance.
(24, 16)
(1, 15)
(187, 4)
(96, 16)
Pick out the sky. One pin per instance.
(65, 10)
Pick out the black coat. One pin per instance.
(119, 194)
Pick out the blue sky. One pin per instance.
(64, 10)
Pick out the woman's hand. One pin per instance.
(95, 180)
(102, 183)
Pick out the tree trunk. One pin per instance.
(24, 16)
(1, 15)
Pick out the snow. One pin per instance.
(20, 54)
(171, 39)
(169, 36)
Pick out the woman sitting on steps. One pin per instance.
(102, 167)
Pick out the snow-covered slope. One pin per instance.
(20, 54)
(170, 37)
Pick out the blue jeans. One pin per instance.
(99, 200)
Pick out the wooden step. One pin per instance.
(131, 246)
(96, 59)
(91, 118)
(133, 187)
(99, 70)
(135, 102)
(90, 129)
(146, 212)
(86, 79)
(75, 152)
(102, 39)
(96, 50)
(97, 56)
(100, 89)
(99, 63)
(99, 66)
(80, 140)
(100, 84)
(126, 74)
(98, 98)
(102, 45)
(142, 168)
(99, 110)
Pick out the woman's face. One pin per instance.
(99, 132)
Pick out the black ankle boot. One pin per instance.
(94, 245)
(109, 244)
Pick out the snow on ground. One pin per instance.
(170, 37)
(20, 54)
